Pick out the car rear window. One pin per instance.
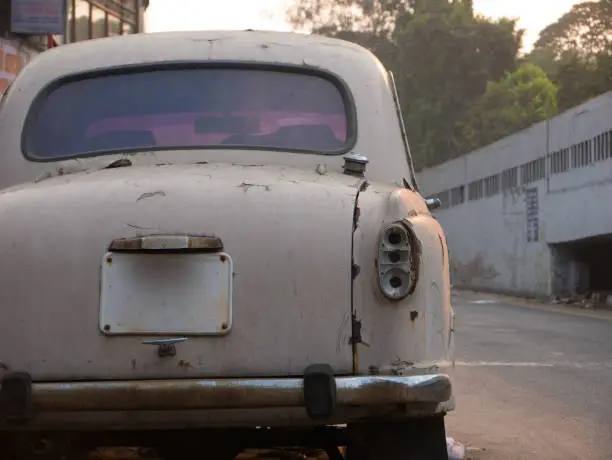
(189, 108)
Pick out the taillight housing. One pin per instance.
(398, 260)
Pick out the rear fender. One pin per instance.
(413, 335)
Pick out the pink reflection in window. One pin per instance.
(178, 108)
(179, 129)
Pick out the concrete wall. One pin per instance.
(547, 184)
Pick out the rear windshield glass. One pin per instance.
(189, 108)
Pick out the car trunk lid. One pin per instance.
(272, 300)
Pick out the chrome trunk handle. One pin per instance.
(167, 243)
(165, 347)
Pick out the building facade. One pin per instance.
(89, 19)
(24, 26)
(15, 50)
(14, 55)
(531, 213)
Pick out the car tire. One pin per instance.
(22, 446)
(415, 439)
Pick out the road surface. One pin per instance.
(532, 382)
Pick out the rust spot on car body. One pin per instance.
(400, 367)
(416, 251)
(121, 163)
(151, 194)
(246, 186)
(356, 216)
(355, 270)
(443, 251)
(413, 316)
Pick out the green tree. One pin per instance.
(328, 17)
(585, 30)
(576, 52)
(446, 56)
(519, 100)
(581, 79)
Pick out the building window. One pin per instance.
(602, 145)
(509, 179)
(128, 29)
(475, 190)
(533, 171)
(114, 26)
(581, 154)
(98, 21)
(491, 185)
(457, 195)
(102, 18)
(559, 161)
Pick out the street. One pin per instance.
(532, 381)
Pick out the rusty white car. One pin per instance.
(213, 241)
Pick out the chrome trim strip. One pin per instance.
(232, 393)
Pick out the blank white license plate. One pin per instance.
(189, 294)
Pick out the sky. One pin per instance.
(167, 15)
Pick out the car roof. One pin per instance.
(284, 48)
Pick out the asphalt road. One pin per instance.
(532, 382)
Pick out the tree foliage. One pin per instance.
(445, 57)
(519, 100)
(581, 79)
(377, 17)
(585, 30)
(576, 52)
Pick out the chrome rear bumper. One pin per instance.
(184, 394)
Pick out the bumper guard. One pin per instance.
(188, 394)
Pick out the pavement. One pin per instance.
(533, 381)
